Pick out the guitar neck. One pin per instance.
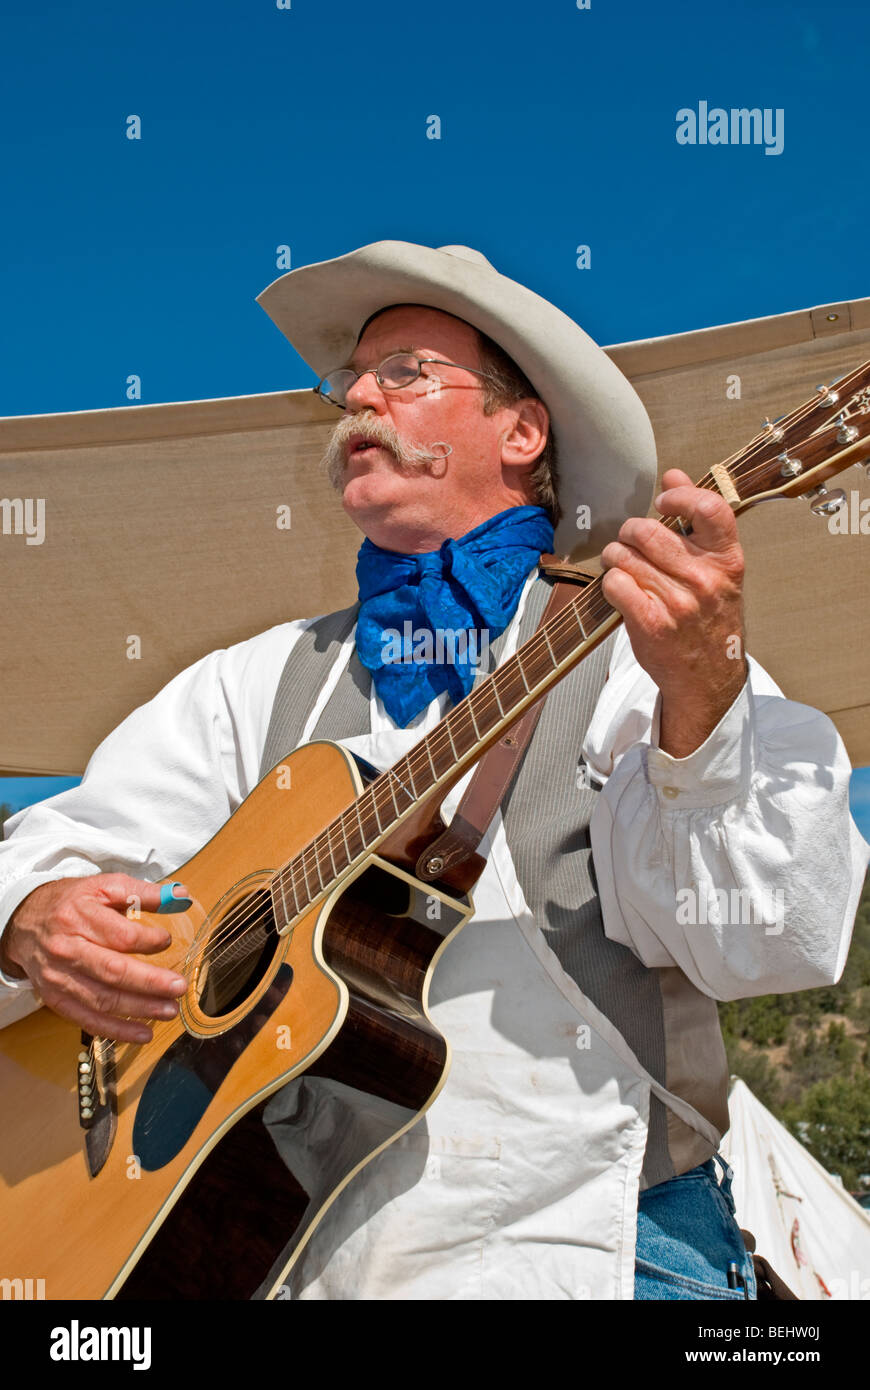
(830, 430)
(444, 754)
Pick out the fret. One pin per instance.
(600, 612)
(344, 836)
(549, 647)
(317, 865)
(293, 886)
(304, 868)
(393, 790)
(576, 612)
(473, 720)
(329, 847)
(512, 683)
(394, 773)
(522, 673)
(497, 700)
(431, 763)
(374, 801)
(362, 833)
(411, 779)
(450, 736)
(280, 878)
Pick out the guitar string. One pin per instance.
(312, 852)
(309, 858)
(261, 917)
(762, 442)
(234, 926)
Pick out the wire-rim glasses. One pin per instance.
(398, 370)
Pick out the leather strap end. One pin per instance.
(559, 568)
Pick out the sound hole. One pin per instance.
(238, 954)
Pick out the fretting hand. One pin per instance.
(682, 603)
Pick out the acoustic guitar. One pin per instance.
(145, 1170)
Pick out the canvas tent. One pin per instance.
(805, 1224)
(171, 530)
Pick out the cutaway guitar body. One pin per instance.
(172, 1186)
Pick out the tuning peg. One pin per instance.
(769, 427)
(829, 397)
(846, 433)
(827, 502)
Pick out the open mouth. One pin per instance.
(363, 446)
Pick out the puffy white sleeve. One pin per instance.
(740, 863)
(156, 789)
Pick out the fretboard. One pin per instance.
(501, 698)
(455, 744)
(464, 734)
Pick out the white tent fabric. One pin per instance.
(805, 1224)
(163, 532)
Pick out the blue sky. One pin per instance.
(306, 127)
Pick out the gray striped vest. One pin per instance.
(671, 1027)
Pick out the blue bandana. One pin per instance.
(425, 620)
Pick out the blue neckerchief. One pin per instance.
(425, 620)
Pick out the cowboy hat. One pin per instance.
(604, 439)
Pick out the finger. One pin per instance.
(675, 477)
(104, 1025)
(118, 971)
(665, 549)
(139, 893)
(649, 576)
(627, 597)
(117, 889)
(108, 927)
(99, 1025)
(709, 515)
(103, 999)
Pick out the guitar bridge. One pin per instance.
(98, 1101)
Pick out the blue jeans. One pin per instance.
(687, 1237)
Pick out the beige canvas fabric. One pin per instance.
(166, 535)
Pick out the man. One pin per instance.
(587, 1059)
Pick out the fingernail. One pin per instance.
(167, 1010)
(179, 984)
(169, 902)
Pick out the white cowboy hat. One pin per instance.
(606, 449)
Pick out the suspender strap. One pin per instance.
(496, 769)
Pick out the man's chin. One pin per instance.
(371, 498)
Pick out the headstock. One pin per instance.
(795, 455)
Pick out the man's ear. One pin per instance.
(527, 436)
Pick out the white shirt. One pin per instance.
(483, 1198)
(762, 805)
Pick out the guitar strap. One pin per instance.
(496, 769)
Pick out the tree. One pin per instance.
(833, 1121)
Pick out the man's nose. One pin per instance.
(366, 392)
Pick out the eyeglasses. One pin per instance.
(397, 371)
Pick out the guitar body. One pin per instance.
(309, 956)
(173, 1187)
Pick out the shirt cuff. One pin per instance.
(715, 774)
(14, 894)
(10, 981)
